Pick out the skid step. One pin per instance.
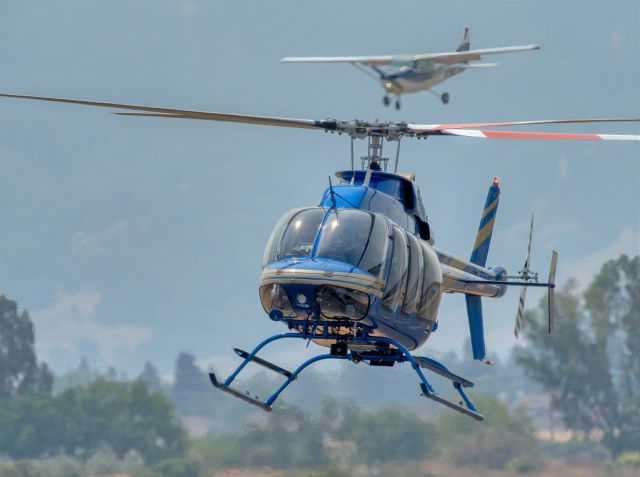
(238, 394)
(243, 354)
(453, 405)
(437, 368)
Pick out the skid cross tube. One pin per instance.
(385, 354)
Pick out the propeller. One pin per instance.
(356, 128)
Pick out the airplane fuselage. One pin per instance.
(407, 79)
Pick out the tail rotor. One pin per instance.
(551, 293)
(526, 278)
(524, 274)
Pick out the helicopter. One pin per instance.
(360, 274)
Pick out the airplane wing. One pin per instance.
(472, 55)
(364, 60)
(448, 58)
(475, 65)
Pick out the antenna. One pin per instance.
(332, 193)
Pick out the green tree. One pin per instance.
(388, 434)
(123, 416)
(20, 372)
(503, 438)
(190, 384)
(150, 376)
(590, 366)
(291, 438)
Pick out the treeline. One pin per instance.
(119, 415)
(134, 425)
(89, 423)
(344, 435)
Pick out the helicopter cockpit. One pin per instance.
(355, 237)
(343, 262)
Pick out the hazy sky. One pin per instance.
(134, 238)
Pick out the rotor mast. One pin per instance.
(375, 133)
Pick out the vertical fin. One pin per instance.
(485, 230)
(476, 326)
(464, 43)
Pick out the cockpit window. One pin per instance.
(356, 237)
(294, 235)
(414, 283)
(397, 278)
(298, 238)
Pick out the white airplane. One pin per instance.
(412, 73)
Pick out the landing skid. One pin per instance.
(384, 352)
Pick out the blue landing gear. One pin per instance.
(378, 351)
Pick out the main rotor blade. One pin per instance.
(190, 114)
(537, 135)
(420, 128)
(356, 128)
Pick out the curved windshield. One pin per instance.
(414, 283)
(294, 234)
(398, 273)
(431, 285)
(355, 237)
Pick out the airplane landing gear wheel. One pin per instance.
(398, 104)
(445, 98)
(386, 100)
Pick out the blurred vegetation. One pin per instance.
(590, 365)
(90, 424)
(20, 372)
(79, 421)
(504, 440)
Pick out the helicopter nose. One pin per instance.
(330, 288)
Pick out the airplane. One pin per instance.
(360, 274)
(413, 73)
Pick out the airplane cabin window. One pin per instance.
(396, 282)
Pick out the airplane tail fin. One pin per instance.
(479, 257)
(465, 42)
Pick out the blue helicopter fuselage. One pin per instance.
(366, 255)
